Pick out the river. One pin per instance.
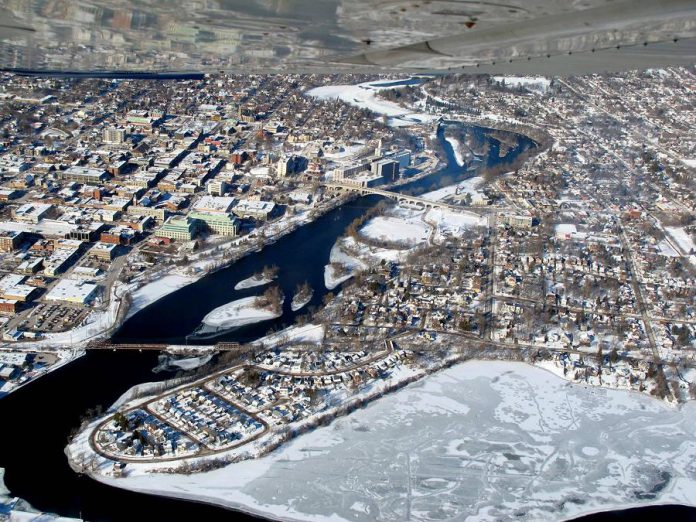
(38, 419)
(300, 256)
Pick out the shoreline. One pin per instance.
(405, 383)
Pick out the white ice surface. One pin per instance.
(238, 313)
(479, 441)
(456, 149)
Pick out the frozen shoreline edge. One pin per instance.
(407, 381)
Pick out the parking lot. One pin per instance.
(54, 318)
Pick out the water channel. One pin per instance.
(37, 420)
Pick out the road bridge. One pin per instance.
(159, 347)
(398, 197)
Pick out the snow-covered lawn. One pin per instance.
(396, 229)
(239, 313)
(450, 222)
(468, 186)
(364, 95)
(308, 333)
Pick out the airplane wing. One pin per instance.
(144, 37)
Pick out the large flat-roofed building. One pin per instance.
(387, 169)
(80, 174)
(87, 232)
(10, 240)
(114, 135)
(217, 187)
(65, 253)
(249, 209)
(72, 291)
(181, 228)
(32, 212)
(346, 171)
(215, 204)
(403, 157)
(12, 287)
(104, 251)
(9, 306)
(223, 224)
(364, 179)
(153, 212)
(517, 221)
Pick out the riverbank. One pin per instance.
(546, 421)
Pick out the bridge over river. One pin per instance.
(423, 203)
(160, 347)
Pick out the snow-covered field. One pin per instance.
(396, 229)
(238, 313)
(682, 238)
(449, 222)
(308, 333)
(251, 282)
(467, 186)
(531, 82)
(364, 95)
(479, 441)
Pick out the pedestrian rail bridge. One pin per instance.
(219, 347)
(400, 198)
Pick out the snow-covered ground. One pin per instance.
(689, 162)
(307, 333)
(364, 95)
(479, 441)
(151, 292)
(337, 255)
(298, 304)
(533, 83)
(239, 313)
(454, 223)
(468, 186)
(396, 229)
(682, 238)
(251, 282)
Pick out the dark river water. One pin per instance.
(37, 420)
(300, 256)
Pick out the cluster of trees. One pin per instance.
(271, 299)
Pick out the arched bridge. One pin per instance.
(399, 198)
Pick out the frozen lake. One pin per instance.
(479, 441)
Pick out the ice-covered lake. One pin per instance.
(479, 441)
